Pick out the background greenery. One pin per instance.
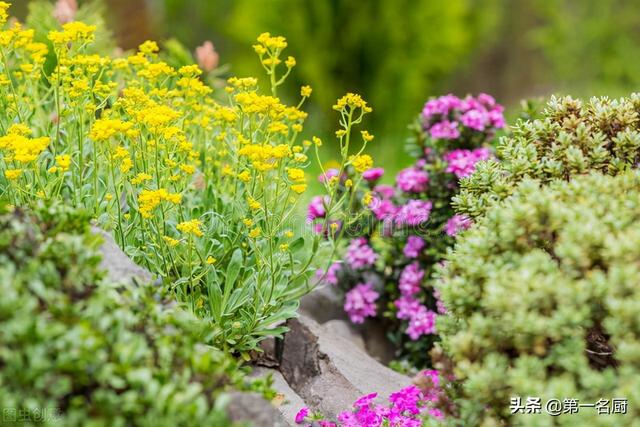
(397, 54)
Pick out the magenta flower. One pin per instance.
(411, 279)
(360, 254)
(385, 191)
(412, 180)
(316, 208)
(330, 277)
(439, 304)
(407, 307)
(414, 213)
(475, 119)
(462, 163)
(422, 323)
(328, 174)
(302, 415)
(413, 247)
(382, 209)
(445, 130)
(457, 223)
(373, 174)
(360, 302)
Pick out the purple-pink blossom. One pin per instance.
(457, 223)
(360, 254)
(411, 279)
(423, 322)
(412, 180)
(414, 245)
(462, 163)
(384, 190)
(316, 208)
(328, 174)
(360, 302)
(373, 174)
(445, 130)
(407, 306)
(302, 415)
(331, 275)
(414, 212)
(382, 209)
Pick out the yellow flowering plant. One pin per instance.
(199, 189)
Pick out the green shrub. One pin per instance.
(543, 301)
(78, 351)
(572, 138)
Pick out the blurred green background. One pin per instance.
(399, 53)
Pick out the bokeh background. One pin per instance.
(399, 53)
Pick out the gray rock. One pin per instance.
(252, 408)
(346, 330)
(289, 403)
(329, 372)
(119, 267)
(323, 304)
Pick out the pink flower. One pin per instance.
(412, 180)
(407, 306)
(441, 106)
(439, 304)
(413, 246)
(422, 323)
(330, 277)
(445, 130)
(475, 119)
(414, 213)
(360, 254)
(207, 56)
(65, 11)
(432, 393)
(382, 209)
(407, 400)
(365, 400)
(457, 223)
(462, 163)
(386, 191)
(328, 174)
(316, 208)
(302, 415)
(411, 279)
(373, 174)
(360, 302)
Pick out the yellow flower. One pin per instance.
(148, 200)
(367, 199)
(348, 183)
(362, 162)
(73, 31)
(170, 241)
(211, 260)
(248, 222)
(284, 247)
(352, 101)
(191, 227)
(188, 169)
(288, 234)
(296, 175)
(317, 141)
(366, 136)
(148, 47)
(63, 162)
(254, 205)
(299, 188)
(140, 178)
(244, 176)
(105, 129)
(12, 174)
(290, 62)
(305, 91)
(108, 197)
(255, 233)
(4, 6)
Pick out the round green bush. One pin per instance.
(571, 138)
(543, 300)
(75, 350)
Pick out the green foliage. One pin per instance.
(393, 53)
(571, 138)
(77, 350)
(543, 301)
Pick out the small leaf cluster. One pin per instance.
(78, 350)
(571, 138)
(543, 300)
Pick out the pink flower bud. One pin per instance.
(207, 56)
(65, 11)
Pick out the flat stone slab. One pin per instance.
(330, 371)
(118, 266)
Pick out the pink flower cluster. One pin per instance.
(360, 302)
(448, 116)
(422, 321)
(412, 180)
(413, 213)
(456, 224)
(413, 247)
(406, 408)
(462, 163)
(360, 254)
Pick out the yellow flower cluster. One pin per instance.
(148, 200)
(361, 163)
(191, 227)
(105, 129)
(72, 32)
(20, 147)
(4, 6)
(353, 101)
